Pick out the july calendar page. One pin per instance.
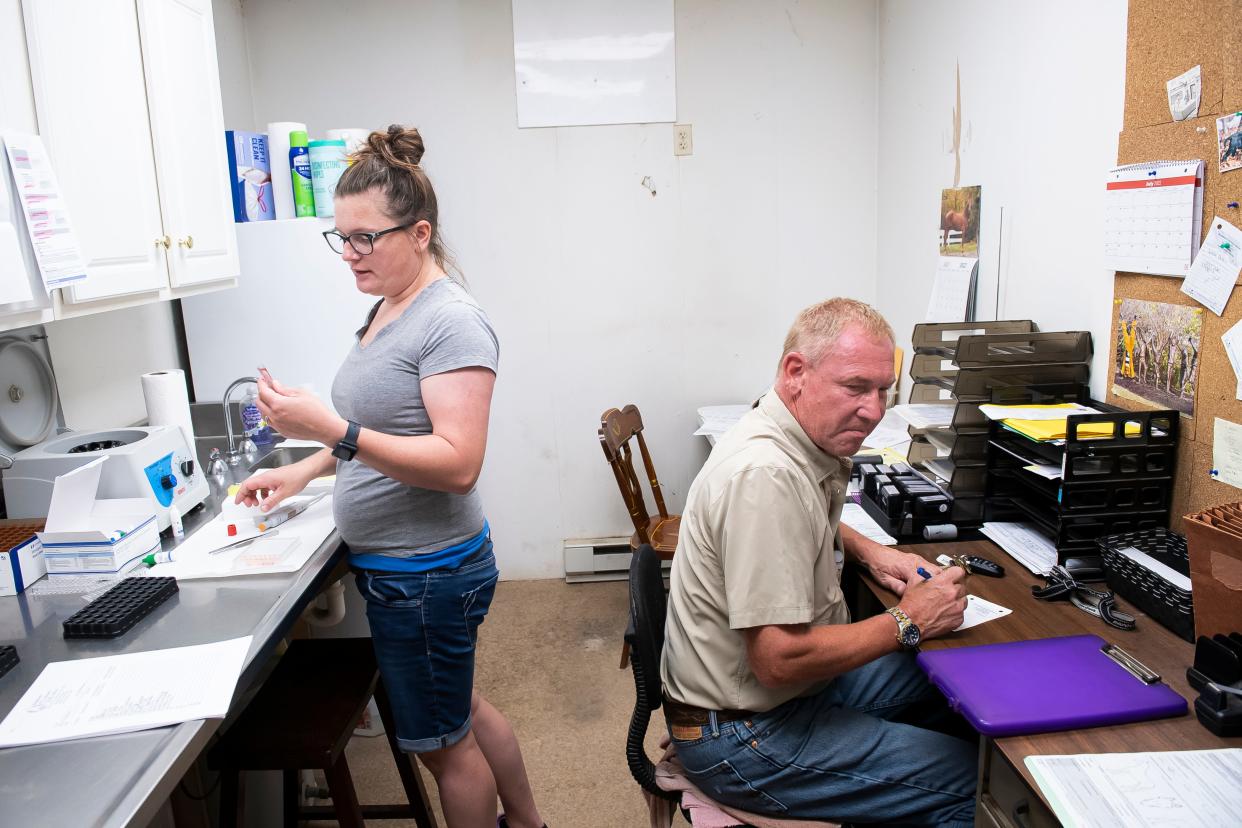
(1152, 217)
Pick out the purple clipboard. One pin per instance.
(1047, 684)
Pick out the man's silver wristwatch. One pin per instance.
(908, 634)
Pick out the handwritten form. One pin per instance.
(1182, 788)
(47, 217)
(124, 693)
(1215, 270)
(1227, 453)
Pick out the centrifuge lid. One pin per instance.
(28, 401)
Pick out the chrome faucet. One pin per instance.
(247, 446)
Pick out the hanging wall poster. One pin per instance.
(1157, 354)
(959, 221)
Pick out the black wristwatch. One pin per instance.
(348, 447)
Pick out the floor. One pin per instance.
(548, 655)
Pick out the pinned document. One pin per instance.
(47, 216)
(1232, 340)
(953, 292)
(1215, 271)
(1152, 217)
(1227, 453)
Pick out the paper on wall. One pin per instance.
(1184, 94)
(1215, 270)
(47, 217)
(14, 286)
(1227, 453)
(953, 290)
(1232, 340)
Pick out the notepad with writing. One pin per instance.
(1048, 684)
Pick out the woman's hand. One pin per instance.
(299, 414)
(268, 489)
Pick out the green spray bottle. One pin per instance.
(300, 172)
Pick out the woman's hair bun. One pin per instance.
(399, 146)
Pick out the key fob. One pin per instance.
(982, 566)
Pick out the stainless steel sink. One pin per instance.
(284, 456)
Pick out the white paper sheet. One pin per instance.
(1048, 471)
(855, 517)
(1232, 340)
(1024, 543)
(47, 217)
(890, 431)
(952, 289)
(1146, 561)
(124, 693)
(715, 420)
(1215, 270)
(1184, 91)
(980, 611)
(1167, 789)
(926, 415)
(1227, 453)
(1022, 412)
(14, 284)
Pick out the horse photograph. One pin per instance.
(1156, 354)
(1229, 136)
(959, 221)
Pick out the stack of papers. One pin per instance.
(1024, 543)
(1047, 423)
(1034, 412)
(891, 431)
(926, 415)
(855, 517)
(715, 420)
(1183, 788)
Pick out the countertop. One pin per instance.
(124, 779)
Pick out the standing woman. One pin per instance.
(413, 397)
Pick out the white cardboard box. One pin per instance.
(21, 565)
(89, 536)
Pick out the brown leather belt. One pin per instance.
(685, 715)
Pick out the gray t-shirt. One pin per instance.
(442, 330)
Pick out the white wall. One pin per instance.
(97, 359)
(1042, 92)
(602, 294)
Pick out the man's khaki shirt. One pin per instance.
(759, 545)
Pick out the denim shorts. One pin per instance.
(423, 628)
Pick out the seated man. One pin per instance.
(776, 702)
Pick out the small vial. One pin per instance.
(174, 520)
(232, 530)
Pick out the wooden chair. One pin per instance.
(618, 427)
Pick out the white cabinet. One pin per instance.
(128, 100)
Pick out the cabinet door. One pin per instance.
(187, 122)
(86, 66)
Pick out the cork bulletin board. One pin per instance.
(1166, 38)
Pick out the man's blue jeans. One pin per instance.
(839, 755)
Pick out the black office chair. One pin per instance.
(645, 637)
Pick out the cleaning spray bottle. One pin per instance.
(300, 172)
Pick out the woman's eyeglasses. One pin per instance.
(362, 243)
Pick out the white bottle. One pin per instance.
(174, 520)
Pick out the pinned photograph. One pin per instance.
(1229, 136)
(959, 221)
(1157, 354)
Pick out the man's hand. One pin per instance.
(938, 603)
(893, 570)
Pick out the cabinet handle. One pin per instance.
(187, 242)
(164, 242)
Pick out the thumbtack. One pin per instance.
(1213, 473)
(1224, 245)
(1153, 172)
(1232, 204)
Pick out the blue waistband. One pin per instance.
(450, 557)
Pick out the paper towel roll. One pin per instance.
(278, 157)
(353, 138)
(168, 402)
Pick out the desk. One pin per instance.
(1002, 769)
(124, 779)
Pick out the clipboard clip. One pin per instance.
(1131, 664)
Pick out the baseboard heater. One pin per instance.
(598, 559)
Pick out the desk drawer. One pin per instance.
(1005, 801)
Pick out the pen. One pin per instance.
(926, 575)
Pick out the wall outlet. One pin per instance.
(683, 139)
